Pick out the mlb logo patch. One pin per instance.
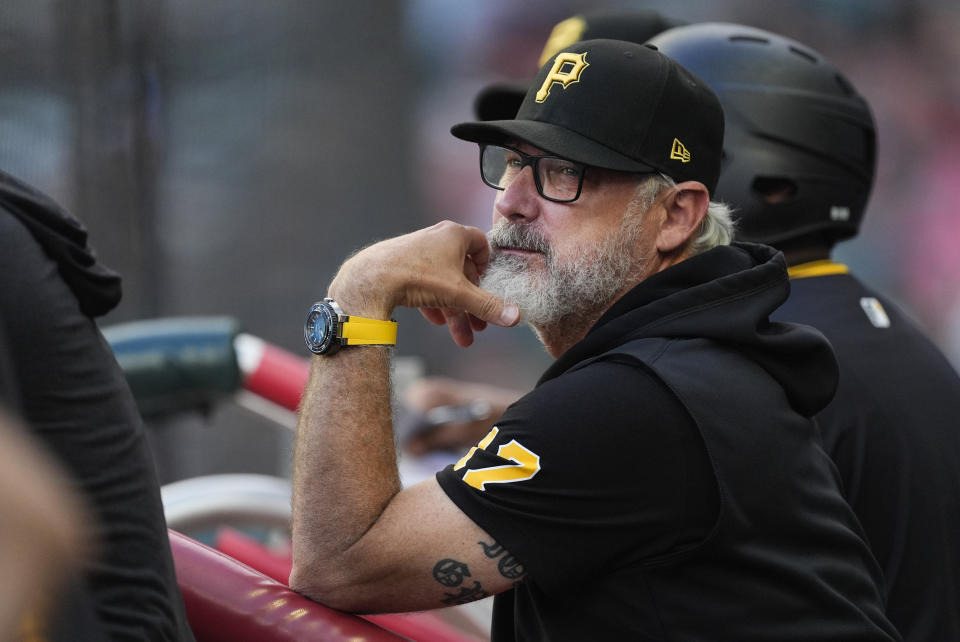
(875, 312)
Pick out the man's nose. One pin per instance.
(520, 199)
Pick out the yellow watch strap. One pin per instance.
(823, 267)
(360, 331)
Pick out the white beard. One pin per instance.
(548, 293)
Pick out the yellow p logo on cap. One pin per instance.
(566, 70)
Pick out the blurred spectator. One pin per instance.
(42, 536)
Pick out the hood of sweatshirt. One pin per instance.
(64, 239)
(727, 295)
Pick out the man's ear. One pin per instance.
(685, 206)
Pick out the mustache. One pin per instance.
(517, 237)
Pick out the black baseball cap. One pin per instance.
(616, 105)
(502, 100)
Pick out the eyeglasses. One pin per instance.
(557, 179)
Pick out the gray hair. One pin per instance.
(717, 226)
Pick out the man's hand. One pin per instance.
(435, 269)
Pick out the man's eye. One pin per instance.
(513, 161)
(566, 171)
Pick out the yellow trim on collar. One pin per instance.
(824, 267)
(360, 331)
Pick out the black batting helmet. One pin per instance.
(800, 142)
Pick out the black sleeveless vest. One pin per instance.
(786, 554)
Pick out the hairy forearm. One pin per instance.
(345, 470)
(352, 533)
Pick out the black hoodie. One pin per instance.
(688, 301)
(679, 490)
(74, 398)
(64, 239)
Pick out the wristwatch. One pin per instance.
(328, 329)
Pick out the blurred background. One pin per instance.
(226, 155)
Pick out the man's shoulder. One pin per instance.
(849, 312)
(592, 386)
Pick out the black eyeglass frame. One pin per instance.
(533, 161)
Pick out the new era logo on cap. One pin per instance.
(617, 105)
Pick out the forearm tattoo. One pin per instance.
(452, 573)
(491, 550)
(465, 595)
(509, 566)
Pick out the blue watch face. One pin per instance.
(320, 328)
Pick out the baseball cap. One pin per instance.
(502, 100)
(616, 105)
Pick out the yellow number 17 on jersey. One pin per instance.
(525, 464)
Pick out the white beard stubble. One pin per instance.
(563, 287)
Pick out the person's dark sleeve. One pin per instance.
(598, 468)
(75, 399)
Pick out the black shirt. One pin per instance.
(893, 430)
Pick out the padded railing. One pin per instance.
(175, 365)
(228, 601)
